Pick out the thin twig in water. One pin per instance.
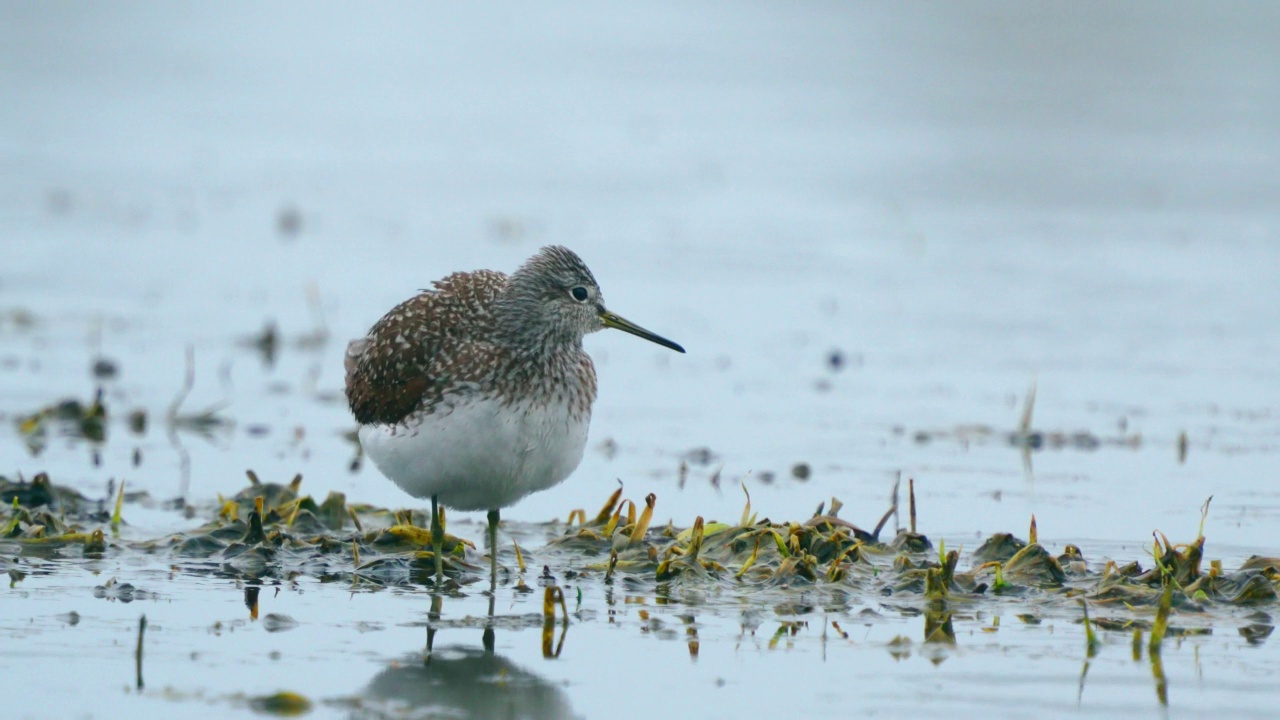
(911, 502)
(142, 629)
(203, 421)
(1024, 427)
(188, 382)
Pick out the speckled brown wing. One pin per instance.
(421, 349)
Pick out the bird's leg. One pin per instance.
(493, 551)
(437, 541)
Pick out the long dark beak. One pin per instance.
(611, 320)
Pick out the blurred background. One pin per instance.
(874, 226)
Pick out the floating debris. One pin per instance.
(70, 417)
(288, 221)
(19, 318)
(1026, 437)
(285, 704)
(701, 456)
(266, 342)
(277, 622)
(104, 368)
(123, 592)
(41, 492)
(137, 420)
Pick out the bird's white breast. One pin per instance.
(480, 454)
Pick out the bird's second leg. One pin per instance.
(493, 550)
(437, 540)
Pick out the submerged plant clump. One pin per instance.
(271, 532)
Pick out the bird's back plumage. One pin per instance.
(438, 341)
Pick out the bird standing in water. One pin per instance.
(477, 392)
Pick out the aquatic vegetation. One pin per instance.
(272, 531)
(805, 572)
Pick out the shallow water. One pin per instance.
(960, 202)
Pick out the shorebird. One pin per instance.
(477, 392)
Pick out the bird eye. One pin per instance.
(579, 293)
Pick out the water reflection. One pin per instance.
(466, 681)
(462, 680)
(1158, 676)
(251, 593)
(938, 627)
(137, 653)
(1257, 633)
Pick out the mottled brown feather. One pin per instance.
(441, 346)
(407, 355)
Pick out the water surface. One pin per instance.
(956, 202)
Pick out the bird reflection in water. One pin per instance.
(468, 682)
(471, 682)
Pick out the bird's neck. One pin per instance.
(521, 326)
